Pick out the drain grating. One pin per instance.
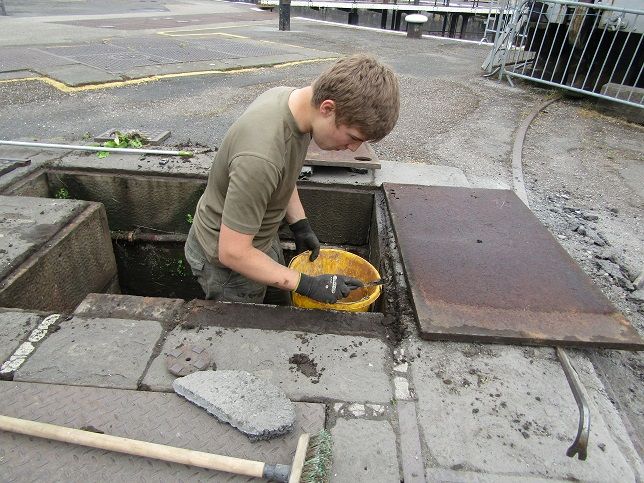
(153, 137)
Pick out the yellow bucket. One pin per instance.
(332, 261)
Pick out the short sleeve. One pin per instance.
(253, 180)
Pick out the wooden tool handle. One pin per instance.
(133, 447)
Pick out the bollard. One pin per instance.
(285, 15)
(415, 23)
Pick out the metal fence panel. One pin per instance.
(591, 48)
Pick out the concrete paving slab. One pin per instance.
(156, 417)
(364, 451)
(198, 165)
(63, 245)
(304, 366)
(78, 75)
(38, 157)
(16, 74)
(27, 223)
(118, 306)
(502, 410)
(14, 328)
(93, 352)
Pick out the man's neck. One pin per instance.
(299, 102)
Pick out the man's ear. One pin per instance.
(327, 107)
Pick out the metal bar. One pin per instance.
(572, 52)
(583, 52)
(527, 32)
(592, 62)
(630, 64)
(136, 235)
(536, 28)
(616, 33)
(186, 154)
(636, 81)
(574, 89)
(580, 445)
(537, 54)
(597, 6)
(510, 40)
(621, 52)
(563, 43)
(552, 45)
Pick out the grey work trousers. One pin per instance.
(224, 285)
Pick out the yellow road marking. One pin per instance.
(143, 80)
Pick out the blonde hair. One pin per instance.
(365, 92)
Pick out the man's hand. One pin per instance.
(305, 239)
(327, 288)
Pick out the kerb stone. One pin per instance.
(254, 406)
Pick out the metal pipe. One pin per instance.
(580, 446)
(185, 154)
(135, 235)
(596, 6)
(574, 89)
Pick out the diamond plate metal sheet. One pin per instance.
(171, 49)
(242, 47)
(116, 63)
(85, 49)
(481, 267)
(157, 417)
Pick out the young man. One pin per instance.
(233, 247)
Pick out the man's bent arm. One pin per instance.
(294, 209)
(236, 251)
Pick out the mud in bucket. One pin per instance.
(332, 261)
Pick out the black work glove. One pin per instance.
(305, 239)
(327, 288)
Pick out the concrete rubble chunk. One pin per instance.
(254, 406)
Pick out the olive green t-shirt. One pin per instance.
(253, 175)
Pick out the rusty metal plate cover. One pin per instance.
(482, 268)
(363, 158)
